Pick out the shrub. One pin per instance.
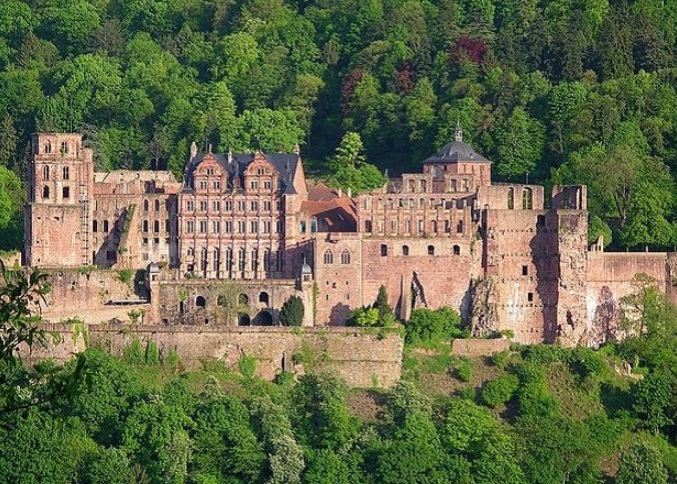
(497, 392)
(431, 327)
(292, 312)
(246, 365)
(588, 363)
(464, 370)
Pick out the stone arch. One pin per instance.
(243, 319)
(264, 298)
(45, 192)
(157, 205)
(145, 205)
(457, 250)
(264, 318)
(243, 299)
(200, 302)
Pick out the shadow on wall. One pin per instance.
(543, 246)
(339, 315)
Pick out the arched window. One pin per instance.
(384, 250)
(200, 302)
(244, 320)
(328, 257)
(243, 299)
(65, 173)
(459, 227)
(48, 147)
(431, 250)
(527, 199)
(64, 147)
(45, 172)
(66, 192)
(345, 257)
(367, 226)
(157, 205)
(437, 171)
(45, 192)
(145, 226)
(511, 198)
(457, 250)
(264, 298)
(145, 205)
(405, 250)
(156, 226)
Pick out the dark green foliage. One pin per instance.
(428, 327)
(292, 312)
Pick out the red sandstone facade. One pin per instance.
(503, 254)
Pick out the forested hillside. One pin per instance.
(529, 415)
(554, 90)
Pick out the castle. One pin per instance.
(242, 233)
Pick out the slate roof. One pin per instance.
(285, 163)
(454, 152)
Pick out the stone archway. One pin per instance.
(244, 320)
(264, 318)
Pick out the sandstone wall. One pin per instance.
(87, 295)
(478, 347)
(610, 277)
(361, 359)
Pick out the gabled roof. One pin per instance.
(235, 164)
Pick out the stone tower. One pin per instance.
(58, 213)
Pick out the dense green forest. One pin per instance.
(556, 91)
(528, 415)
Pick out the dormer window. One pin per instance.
(260, 171)
(210, 171)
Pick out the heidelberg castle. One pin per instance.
(509, 259)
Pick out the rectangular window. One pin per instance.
(266, 206)
(227, 205)
(241, 206)
(203, 185)
(266, 226)
(216, 205)
(241, 227)
(203, 205)
(228, 227)
(525, 270)
(254, 227)
(190, 206)
(217, 185)
(303, 227)
(254, 205)
(203, 226)
(278, 227)
(267, 185)
(190, 226)
(216, 227)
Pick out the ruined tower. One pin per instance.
(58, 213)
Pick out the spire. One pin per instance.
(458, 132)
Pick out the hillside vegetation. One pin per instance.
(556, 91)
(531, 414)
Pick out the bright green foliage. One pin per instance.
(106, 466)
(292, 312)
(497, 392)
(641, 463)
(320, 410)
(653, 398)
(427, 326)
(350, 169)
